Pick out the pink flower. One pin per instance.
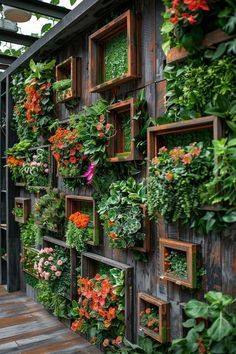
(35, 266)
(163, 149)
(46, 276)
(59, 262)
(46, 263)
(58, 273)
(46, 170)
(90, 173)
(53, 268)
(50, 258)
(40, 270)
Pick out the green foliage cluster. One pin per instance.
(211, 328)
(121, 214)
(31, 281)
(18, 212)
(30, 233)
(61, 85)
(49, 211)
(174, 184)
(77, 238)
(195, 88)
(116, 56)
(177, 264)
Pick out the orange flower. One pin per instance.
(119, 340)
(80, 220)
(112, 235)
(107, 323)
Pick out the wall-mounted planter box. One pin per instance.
(145, 245)
(99, 44)
(215, 37)
(90, 267)
(69, 69)
(51, 242)
(185, 250)
(122, 146)
(157, 134)
(146, 301)
(23, 205)
(85, 205)
(29, 256)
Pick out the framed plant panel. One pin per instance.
(71, 254)
(113, 53)
(81, 210)
(92, 264)
(22, 209)
(68, 79)
(178, 262)
(28, 260)
(161, 135)
(122, 145)
(153, 317)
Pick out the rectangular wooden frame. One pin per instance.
(147, 230)
(126, 21)
(74, 66)
(89, 269)
(69, 199)
(164, 317)
(191, 258)
(181, 127)
(114, 109)
(47, 240)
(26, 206)
(33, 250)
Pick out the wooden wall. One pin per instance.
(218, 251)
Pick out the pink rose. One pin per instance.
(53, 268)
(46, 263)
(50, 258)
(58, 273)
(46, 276)
(40, 270)
(59, 262)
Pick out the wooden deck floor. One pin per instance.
(26, 328)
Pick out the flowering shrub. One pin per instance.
(150, 318)
(48, 265)
(49, 211)
(176, 179)
(79, 231)
(28, 260)
(99, 311)
(67, 151)
(16, 158)
(32, 92)
(121, 213)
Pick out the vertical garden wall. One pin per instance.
(119, 190)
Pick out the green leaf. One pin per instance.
(229, 218)
(219, 329)
(196, 309)
(46, 28)
(72, 2)
(189, 323)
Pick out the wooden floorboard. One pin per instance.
(27, 328)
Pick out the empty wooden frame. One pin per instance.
(24, 205)
(156, 134)
(125, 23)
(69, 69)
(185, 248)
(122, 145)
(90, 267)
(76, 203)
(147, 301)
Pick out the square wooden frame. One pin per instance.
(89, 268)
(51, 241)
(26, 206)
(74, 66)
(191, 258)
(181, 127)
(147, 230)
(164, 317)
(126, 21)
(115, 109)
(69, 199)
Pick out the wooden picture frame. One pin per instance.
(49, 241)
(72, 67)
(156, 133)
(33, 251)
(97, 42)
(211, 39)
(146, 243)
(190, 249)
(25, 205)
(116, 146)
(89, 268)
(74, 203)
(164, 317)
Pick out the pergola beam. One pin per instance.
(39, 7)
(17, 38)
(6, 59)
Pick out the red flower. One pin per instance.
(194, 5)
(73, 159)
(191, 19)
(174, 20)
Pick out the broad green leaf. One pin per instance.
(196, 309)
(219, 329)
